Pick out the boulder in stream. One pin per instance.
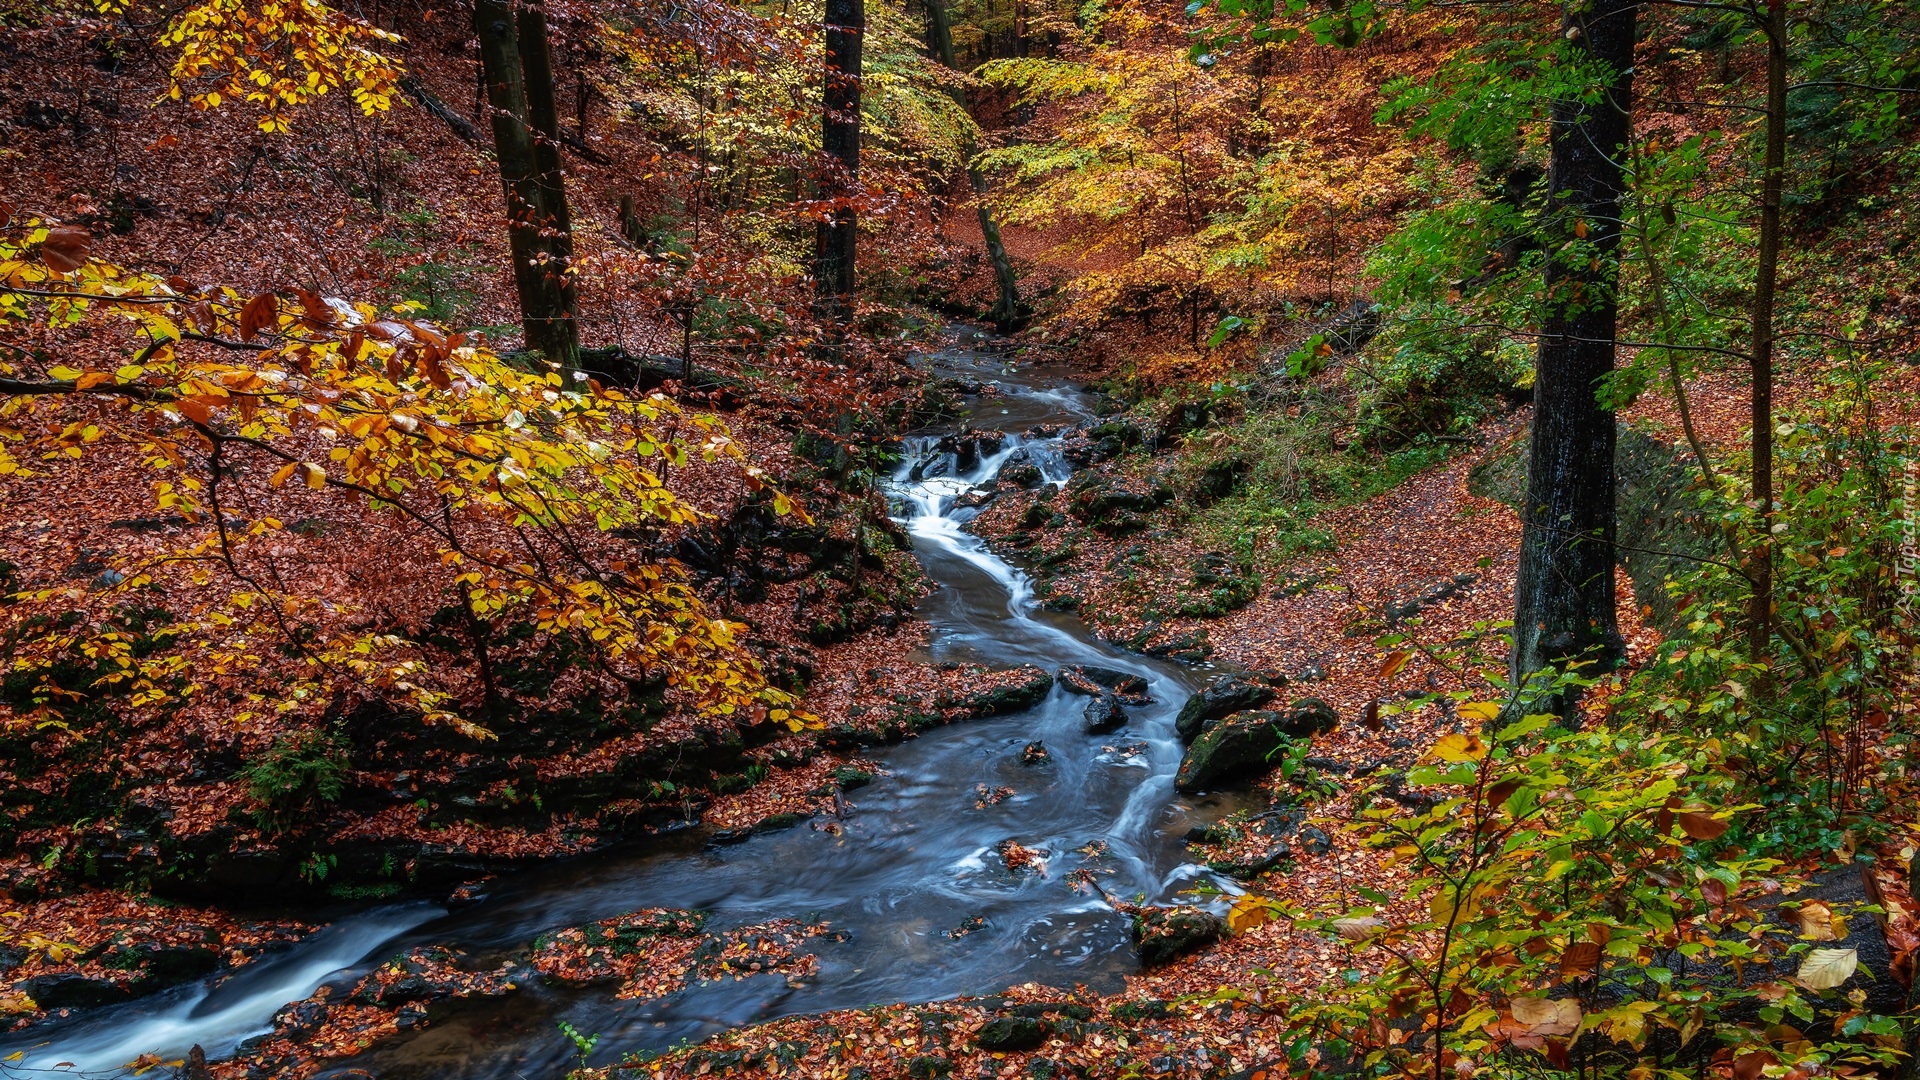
(1105, 714)
(1244, 744)
(1096, 682)
(1235, 693)
(1163, 935)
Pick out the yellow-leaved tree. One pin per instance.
(341, 507)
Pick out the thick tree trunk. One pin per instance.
(1564, 598)
(1005, 313)
(519, 82)
(1774, 163)
(835, 238)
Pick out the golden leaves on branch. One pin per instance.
(279, 56)
(389, 415)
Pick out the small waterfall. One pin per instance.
(912, 858)
(221, 1014)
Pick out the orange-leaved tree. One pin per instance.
(341, 508)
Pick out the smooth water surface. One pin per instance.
(914, 858)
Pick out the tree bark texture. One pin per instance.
(1006, 313)
(1765, 288)
(518, 71)
(836, 236)
(1564, 598)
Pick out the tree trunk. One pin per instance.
(1564, 598)
(1760, 615)
(519, 80)
(834, 240)
(1005, 313)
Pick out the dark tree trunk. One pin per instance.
(1006, 313)
(834, 241)
(1774, 163)
(519, 82)
(1564, 598)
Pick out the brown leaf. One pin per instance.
(1393, 663)
(195, 411)
(1599, 933)
(1715, 892)
(1816, 921)
(1579, 960)
(1544, 1016)
(1502, 791)
(1701, 826)
(1752, 1066)
(1370, 718)
(431, 369)
(65, 248)
(318, 315)
(260, 313)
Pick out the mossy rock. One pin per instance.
(1163, 935)
(1009, 1033)
(1244, 745)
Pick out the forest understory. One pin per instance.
(366, 538)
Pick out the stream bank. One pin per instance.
(977, 857)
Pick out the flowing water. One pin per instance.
(914, 859)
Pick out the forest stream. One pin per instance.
(903, 881)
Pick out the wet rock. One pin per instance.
(846, 777)
(1244, 744)
(1105, 714)
(1192, 646)
(1008, 1033)
(1113, 438)
(1098, 681)
(1013, 697)
(1163, 935)
(1105, 501)
(929, 1067)
(300, 1019)
(1035, 753)
(164, 965)
(72, 990)
(1023, 475)
(1236, 693)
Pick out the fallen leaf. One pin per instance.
(1824, 969)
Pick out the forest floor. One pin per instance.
(1427, 558)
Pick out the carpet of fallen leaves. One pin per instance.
(101, 946)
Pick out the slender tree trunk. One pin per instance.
(1005, 313)
(1564, 598)
(835, 238)
(519, 81)
(1760, 616)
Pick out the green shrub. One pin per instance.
(301, 770)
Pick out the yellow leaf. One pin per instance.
(1479, 710)
(282, 475)
(1460, 746)
(1816, 921)
(66, 374)
(1824, 969)
(316, 476)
